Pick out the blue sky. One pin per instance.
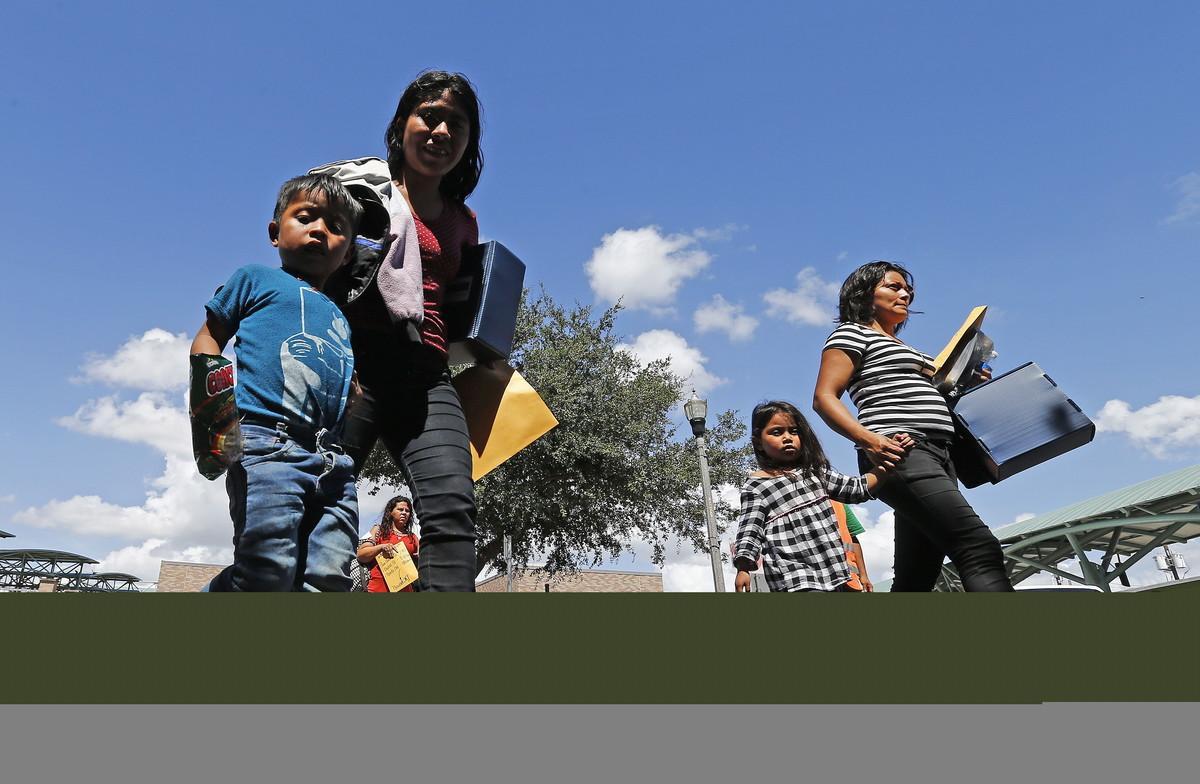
(1041, 160)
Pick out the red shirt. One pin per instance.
(442, 241)
(377, 584)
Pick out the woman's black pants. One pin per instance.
(933, 521)
(409, 403)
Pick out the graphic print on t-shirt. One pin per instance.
(307, 359)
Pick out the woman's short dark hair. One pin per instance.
(385, 523)
(856, 302)
(810, 458)
(429, 86)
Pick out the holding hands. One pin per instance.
(886, 451)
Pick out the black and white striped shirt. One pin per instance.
(788, 520)
(890, 386)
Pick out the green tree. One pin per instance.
(616, 466)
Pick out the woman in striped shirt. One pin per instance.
(889, 383)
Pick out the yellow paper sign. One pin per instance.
(398, 571)
(504, 415)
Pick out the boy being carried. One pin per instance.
(291, 495)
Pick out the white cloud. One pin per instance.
(723, 316)
(813, 301)
(722, 233)
(149, 419)
(684, 360)
(7, 499)
(181, 507)
(143, 560)
(1163, 428)
(878, 542)
(1188, 207)
(643, 267)
(156, 361)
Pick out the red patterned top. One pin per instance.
(442, 241)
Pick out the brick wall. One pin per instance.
(177, 576)
(585, 581)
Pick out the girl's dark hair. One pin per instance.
(385, 525)
(429, 86)
(856, 302)
(811, 458)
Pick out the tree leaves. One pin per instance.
(616, 467)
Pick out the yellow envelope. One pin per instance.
(504, 414)
(968, 327)
(399, 570)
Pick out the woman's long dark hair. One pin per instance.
(856, 302)
(429, 86)
(386, 525)
(810, 458)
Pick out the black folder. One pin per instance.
(1014, 422)
(480, 305)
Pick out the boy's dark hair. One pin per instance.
(856, 302)
(460, 181)
(385, 522)
(811, 458)
(326, 185)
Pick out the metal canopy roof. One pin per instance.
(5, 534)
(1107, 534)
(61, 556)
(1119, 529)
(24, 570)
(1183, 484)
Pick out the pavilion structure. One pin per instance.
(1106, 535)
(26, 570)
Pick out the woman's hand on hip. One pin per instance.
(885, 451)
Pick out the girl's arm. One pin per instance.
(856, 489)
(868, 587)
(751, 535)
(836, 369)
(367, 552)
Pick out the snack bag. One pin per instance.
(216, 435)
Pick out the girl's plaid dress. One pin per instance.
(788, 520)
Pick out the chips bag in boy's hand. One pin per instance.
(216, 435)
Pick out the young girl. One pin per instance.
(396, 319)
(392, 531)
(786, 515)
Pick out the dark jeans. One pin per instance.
(933, 521)
(408, 402)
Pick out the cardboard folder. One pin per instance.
(398, 571)
(959, 355)
(504, 414)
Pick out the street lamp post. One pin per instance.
(696, 410)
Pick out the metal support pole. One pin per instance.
(508, 576)
(710, 516)
(1090, 572)
(1171, 562)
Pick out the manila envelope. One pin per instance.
(504, 414)
(968, 327)
(399, 570)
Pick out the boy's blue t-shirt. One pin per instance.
(294, 359)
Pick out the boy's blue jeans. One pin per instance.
(295, 513)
